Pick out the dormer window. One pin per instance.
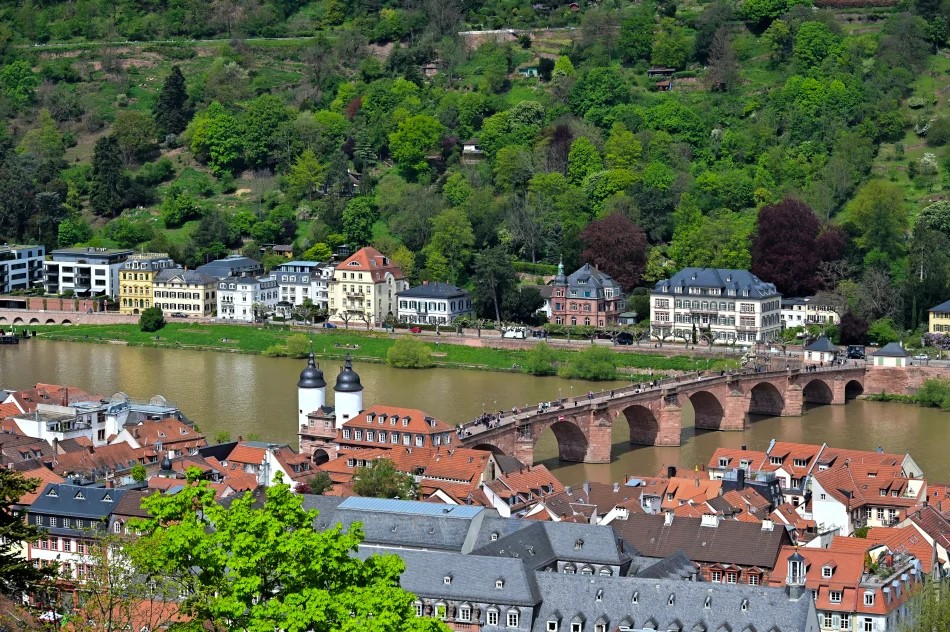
(79, 496)
(578, 544)
(107, 498)
(826, 571)
(52, 493)
(494, 536)
(636, 598)
(552, 626)
(775, 460)
(800, 463)
(708, 603)
(499, 584)
(745, 605)
(672, 599)
(869, 598)
(447, 580)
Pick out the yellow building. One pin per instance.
(135, 280)
(940, 318)
(185, 293)
(364, 288)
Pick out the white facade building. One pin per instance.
(725, 306)
(801, 312)
(238, 296)
(85, 271)
(433, 303)
(301, 280)
(21, 267)
(92, 420)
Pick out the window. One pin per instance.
(745, 605)
(117, 527)
(52, 521)
(447, 580)
(717, 576)
(552, 626)
(672, 599)
(826, 571)
(868, 599)
(346, 433)
(846, 622)
(799, 462)
(418, 606)
(827, 620)
(465, 613)
(513, 618)
(775, 460)
(732, 577)
(753, 580)
(708, 603)
(723, 462)
(492, 617)
(823, 496)
(868, 624)
(440, 611)
(499, 584)
(636, 598)
(575, 627)
(834, 596)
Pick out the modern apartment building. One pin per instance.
(21, 267)
(85, 271)
(247, 298)
(187, 291)
(798, 312)
(715, 304)
(302, 280)
(364, 288)
(136, 277)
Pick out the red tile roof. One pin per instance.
(170, 432)
(119, 457)
(246, 454)
(28, 399)
(408, 419)
(44, 476)
(370, 260)
(905, 539)
(857, 484)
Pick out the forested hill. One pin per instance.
(810, 144)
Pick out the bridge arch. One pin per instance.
(644, 426)
(66, 321)
(488, 447)
(571, 441)
(817, 391)
(34, 321)
(708, 410)
(765, 399)
(50, 321)
(3, 319)
(853, 389)
(17, 321)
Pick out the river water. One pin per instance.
(246, 394)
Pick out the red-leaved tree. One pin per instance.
(616, 246)
(785, 248)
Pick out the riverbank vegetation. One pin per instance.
(409, 353)
(278, 341)
(933, 393)
(804, 140)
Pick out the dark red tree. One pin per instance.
(785, 249)
(853, 329)
(616, 246)
(831, 243)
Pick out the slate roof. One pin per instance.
(223, 268)
(77, 501)
(822, 345)
(724, 279)
(189, 277)
(610, 600)
(943, 307)
(891, 350)
(731, 542)
(588, 277)
(541, 543)
(473, 578)
(433, 290)
(676, 566)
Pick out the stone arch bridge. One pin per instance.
(583, 426)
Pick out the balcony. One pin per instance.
(746, 328)
(359, 296)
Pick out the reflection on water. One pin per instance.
(245, 394)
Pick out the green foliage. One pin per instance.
(318, 484)
(813, 43)
(636, 35)
(409, 353)
(18, 83)
(214, 136)
(222, 436)
(73, 231)
(594, 363)
(179, 207)
(883, 331)
(416, 138)
(583, 160)
(18, 572)
(297, 346)
(622, 148)
(171, 109)
(540, 360)
(381, 479)
(267, 566)
(358, 218)
(134, 133)
(671, 47)
(879, 216)
(105, 195)
(318, 252)
(138, 473)
(151, 319)
(934, 393)
(306, 175)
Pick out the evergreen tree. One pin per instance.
(16, 572)
(105, 193)
(171, 110)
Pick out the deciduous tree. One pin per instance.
(381, 479)
(784, 249)
(618, 247)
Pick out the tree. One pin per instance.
(72, 231)
(381, 479)
(618, 247)
(583, 160)
(264, 567)
(494, 277)
(935, 217)
(715, 15)
(593, 363)
(414, 140)
(105, 189)
(18, 83)
(306, 175)
(785, 247)
(723, 71)
(813, 43)
(17, 574)
(16, 198)
(259, 123)
(636, 35)
(879, 217)
(883, 331)
(307, 312)
(151, 319)
(134, 132)
(671, 47)
(44, 141)
(453, 238)
(409, 353)
(622, 148)
(763, 11)
(540, 360)
(222, 437)
(719, 240)
(853, 329)
(214, 136)
(138, 473)
(318, 484)
(171, 109)
(358, 219)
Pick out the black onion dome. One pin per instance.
(311, 376)
(166, 464)
(348, 381)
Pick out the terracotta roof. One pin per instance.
(525, 485)
(453, 464)
(938, 496)
(747, 500)
(168, 431)
(857, 484)
(45, 476)
(119, 457)
(408, 419)
(905, 540)
(461, 493)
(27, 399)
(369, 259)
(297, 466)
(9, 410)
(246, 454)
(681, 490)
(733, 456)
(786, 514)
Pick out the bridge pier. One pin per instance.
(670, 421)
(524, 450)
(794, 401)
(838, 391)
(735, 411)
(599, 439)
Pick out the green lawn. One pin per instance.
(336, 343)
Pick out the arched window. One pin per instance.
(570, 569)
(606, 572)
(587, 570)
(573, 321)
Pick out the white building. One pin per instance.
(85, 271)
(891, 355)
(21, 267)
(801, 312)
(821, 350)
(725, 306)
(300, 280)
(433, 303)
(95, 421)
(239, 296)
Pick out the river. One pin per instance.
(246, 394)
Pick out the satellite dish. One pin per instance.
(119, 398)
(158, 400)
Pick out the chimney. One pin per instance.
(671, 471)
(767, 524)
(616, 487)
(744, 447)
(55, 446)
(667, 518)
(586, 487)
(709, 520)
(740, 478)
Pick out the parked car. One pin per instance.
(329, 325)
(179, 315)
(416, 330)
(518, 333)
(855, 352)
(624, 338)
(921, 356)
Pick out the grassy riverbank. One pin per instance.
(335, 343)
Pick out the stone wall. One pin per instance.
(899, 380)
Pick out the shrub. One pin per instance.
(409, 353)
(934, 393)
(297, 346)
(540, 360)
(595, 363)
(152, 319)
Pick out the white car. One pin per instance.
(921, 356)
